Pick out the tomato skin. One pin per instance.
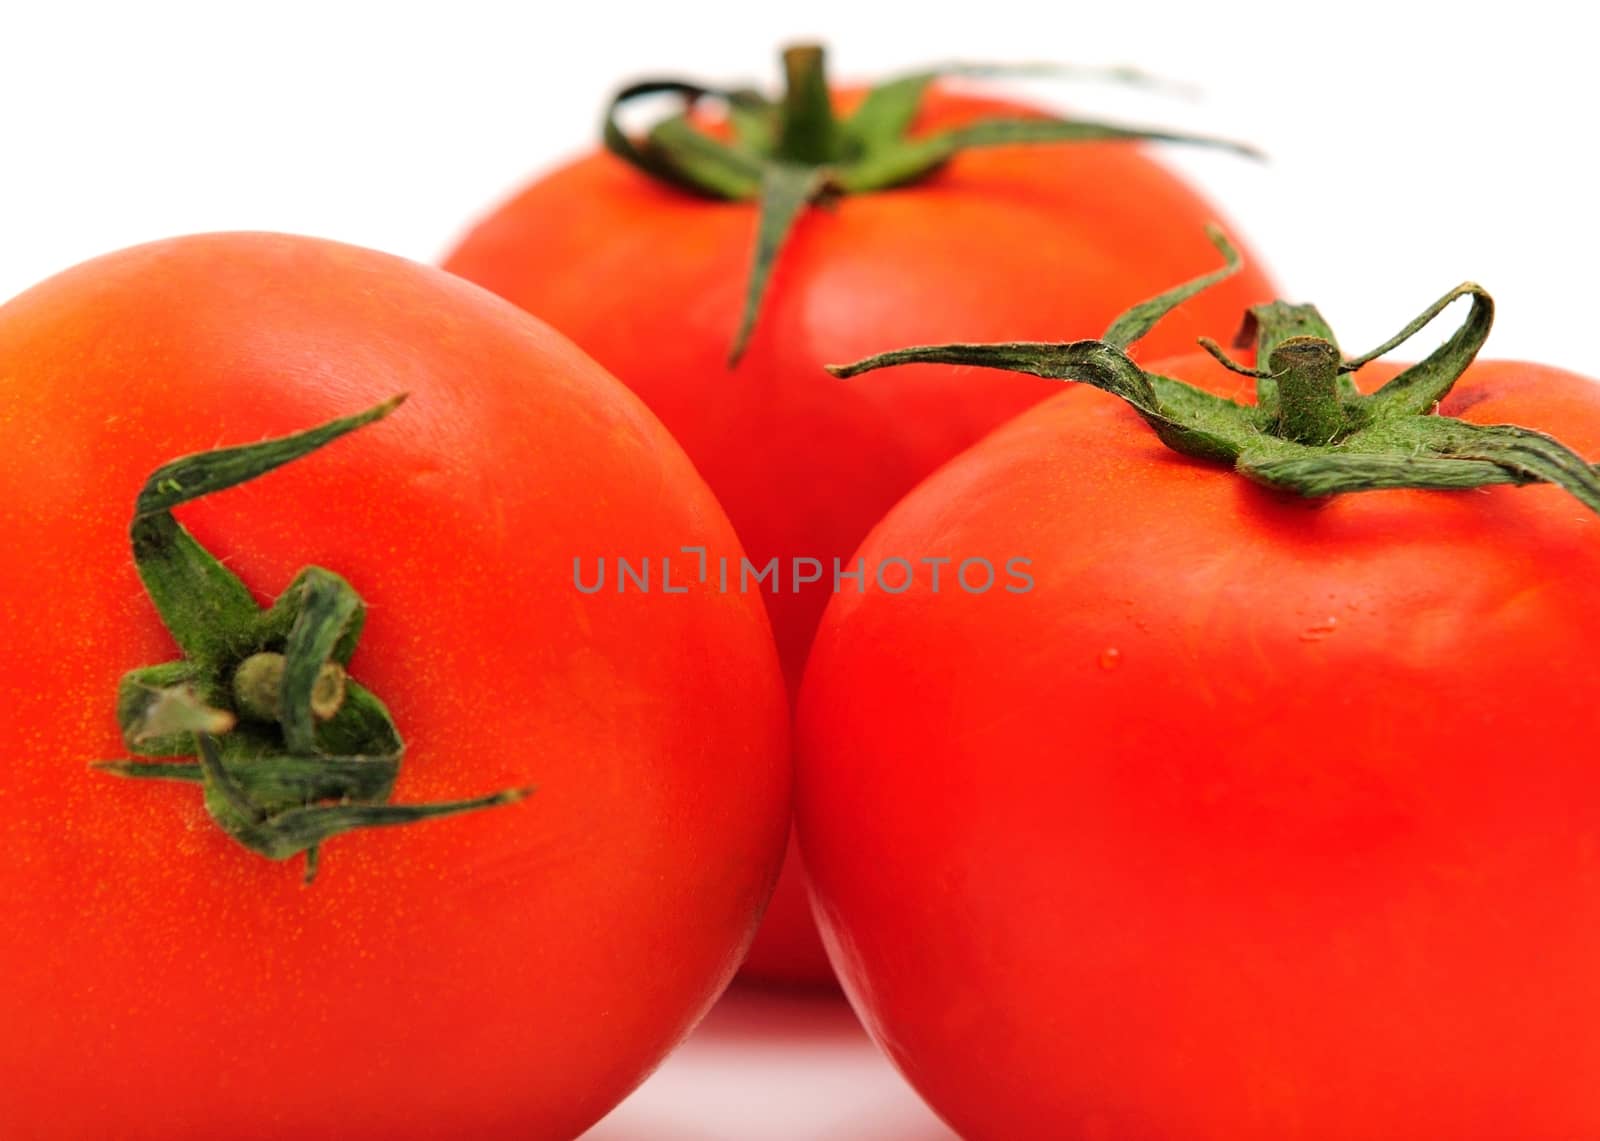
(1256, 818)
(1015, 243)
(480, 976)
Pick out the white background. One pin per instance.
(1412, 147)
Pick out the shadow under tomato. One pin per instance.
(774, 1066)
(759, 1014)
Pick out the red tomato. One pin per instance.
(1006, 243)
(1257, 817)
(511, 973)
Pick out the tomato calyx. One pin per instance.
(291, 750)
(1310, 430)
(790, 154)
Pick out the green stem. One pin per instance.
(258, 688)
(1307, 372)
(1312, 433)
(792, 153)
(809, 133)
(315, 754)
(786, 191)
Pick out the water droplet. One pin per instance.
(1321, 630)
(1110, 658)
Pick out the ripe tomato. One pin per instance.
(1003, 243)
(1258, 817)
(511, 973)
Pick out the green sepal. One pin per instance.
(1132, 325)
(282, 834)
(357, 757)
(203, 605)
(273, 624)
(161, 708)
(910, 160)
(278, 781)
(703, 161)
(676, 151)
(328, 604)
(190, 477)
(362, 727)
(1427, 452)
(1418, 389)
(1184, 417)
(884, 116)
(754, 120)
(786, 190)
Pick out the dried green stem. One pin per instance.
(290, 750)
(1310, 431)
(808, 130)
(789, 154)
(1307, 372)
